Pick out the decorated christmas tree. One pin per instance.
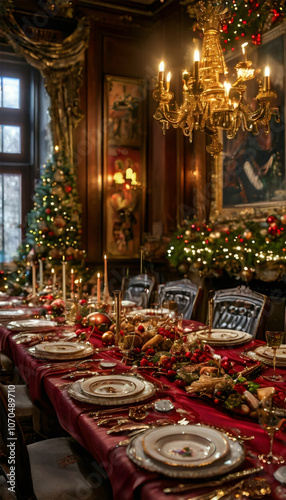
(54, 229)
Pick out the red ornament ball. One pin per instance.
(48, 210)
(272, 219)
(99, 320)
(68, 189)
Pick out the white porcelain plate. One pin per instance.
(116, 386)
(79, 353)
(187, 445)
(220, 336)
(230, 461)
(60, 347)
(13, 313)
(30, 324)
(75, 391)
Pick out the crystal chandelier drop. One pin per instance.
(208, 104)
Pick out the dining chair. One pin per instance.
(241, 309)
(57, 468)
(138, 289)
(185, 293)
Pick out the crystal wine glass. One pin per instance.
(274, 340)
(271, 420)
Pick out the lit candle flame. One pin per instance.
(267, 71)
(162, 66)
(197, 55)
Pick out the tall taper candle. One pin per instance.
(54, 280)
(34, 278)
(41, 274)
(64, 279)
(98, 289)
(141, 261)
(72, 284)
(105, 271)
(117, 296)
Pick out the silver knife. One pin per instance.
(218, 482)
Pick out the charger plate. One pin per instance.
(185, 446)
(79, 353)
(112, 386)
(223, 337)
(75, 392)
(230, 461)
(60, 347)
(13, 313)
(30, 324)
(265, 354)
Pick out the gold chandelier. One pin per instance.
(208, 104)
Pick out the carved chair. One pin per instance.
(186, 294)
(241, 309)
(138, 289)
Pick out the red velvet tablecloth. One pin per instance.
(128, 480)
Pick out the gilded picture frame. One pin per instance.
(124, 166)
(249, 177)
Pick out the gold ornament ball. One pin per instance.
(247, 234)
(283, 219)
(108, 337)
(247, 274)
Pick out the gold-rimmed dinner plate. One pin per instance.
(185, 446)
(30, 324)
(75, 392)
(230, 461)
(112, 386)
(61, 347)
(264, 354)
(219, 336)
(81, 353)
(268, 352)
(13, 313)
(149, 313)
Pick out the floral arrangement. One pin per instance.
(245, 249)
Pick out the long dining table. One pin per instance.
(128, 480)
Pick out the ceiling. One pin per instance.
(147, 7)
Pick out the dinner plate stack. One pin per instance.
(189, 451)
(265, 354)
(222, 337)
(31, 324)
(13, 313)
(109, 390)
(61, 350)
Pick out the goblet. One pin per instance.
(271, 420)
(274, 340)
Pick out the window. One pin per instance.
(18, 92)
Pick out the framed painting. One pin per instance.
(124, 166)
(251, 171)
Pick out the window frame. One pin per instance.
(25, 163)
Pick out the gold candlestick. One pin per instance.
(211, 305)
(117, 296)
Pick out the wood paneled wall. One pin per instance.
(134, 49)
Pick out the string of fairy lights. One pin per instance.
(238, 248)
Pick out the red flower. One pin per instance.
(240, 388)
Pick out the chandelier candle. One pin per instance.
(267, 79)
(161, 72)
(196, 65)
(204, 104)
